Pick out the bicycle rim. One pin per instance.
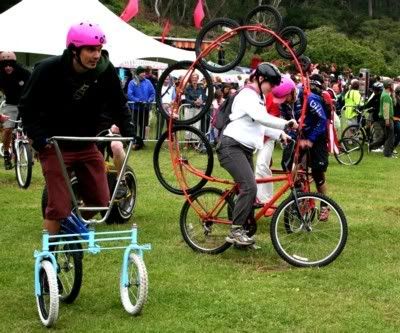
(309, 240)
(200, 232)
(192, 149)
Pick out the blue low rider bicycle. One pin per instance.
(58, 266)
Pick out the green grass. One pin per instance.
(237, 291)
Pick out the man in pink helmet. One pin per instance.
(74, 94)
(12, 81)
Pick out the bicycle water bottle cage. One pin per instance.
(73, 225)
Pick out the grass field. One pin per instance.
(237, 291)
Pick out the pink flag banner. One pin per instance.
(130, 11)
(165, 32)
(198, 14)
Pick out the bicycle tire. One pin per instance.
(191, 151)
(210, 237)
(184, 65)
(134, 305)
(71, 261)
(351, 152)
(356, 132)
(308, 243)
(1, 149)
(122, 210)
(24, 161)
(296, 40)
(274, 24)
(69, 270)
(48, 309)
(206, 34)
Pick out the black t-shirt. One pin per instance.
(13, 84)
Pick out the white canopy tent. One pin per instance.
(40, 26)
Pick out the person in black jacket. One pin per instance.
(71, 95)
(12, 81)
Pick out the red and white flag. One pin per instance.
(333, 142)
(198, 14)
(130, 11)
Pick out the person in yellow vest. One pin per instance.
(352, 100)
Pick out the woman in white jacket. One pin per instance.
(245, 133)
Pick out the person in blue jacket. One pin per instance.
(141, 92)
(313, 138)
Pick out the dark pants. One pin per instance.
(388, 145)
(140, 117)
(238, 161)
(396, 125)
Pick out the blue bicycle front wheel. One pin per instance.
(134, 292)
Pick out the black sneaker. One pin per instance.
(238, 236)
(122, 190)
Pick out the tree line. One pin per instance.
(350, 33)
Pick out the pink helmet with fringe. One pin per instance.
(85, 34)
(285, 88)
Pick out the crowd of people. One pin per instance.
(266, 109)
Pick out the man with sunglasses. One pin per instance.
(12, 81)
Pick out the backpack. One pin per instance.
(220, 117)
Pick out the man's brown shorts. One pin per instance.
(88, 165)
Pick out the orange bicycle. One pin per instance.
(183, 160)
(298, 233)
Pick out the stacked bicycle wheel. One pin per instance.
(183, 157)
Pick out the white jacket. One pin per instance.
(250, 122)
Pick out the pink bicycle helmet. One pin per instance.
(285, 88)
(85, 34)
(8, 55)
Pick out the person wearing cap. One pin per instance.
(313, 136)
(13, 78)
(278, 95)
(352, 100)
(141, 93)
(245, 132)
(71, 95)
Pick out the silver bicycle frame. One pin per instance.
(54, 140)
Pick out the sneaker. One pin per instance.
(378, 150)
(394, 151)
(238, 236)
(122, 190)
(324, 214)
(391, 156)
